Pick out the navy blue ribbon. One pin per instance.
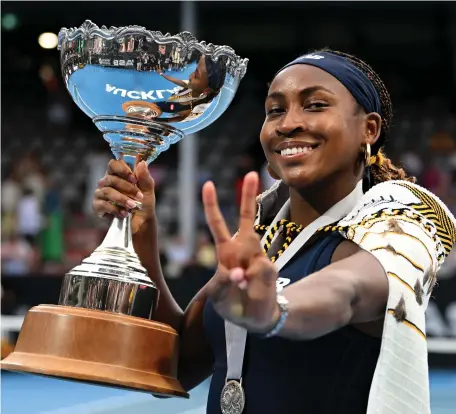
(359, 85)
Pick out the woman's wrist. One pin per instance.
(147, 229)
(278, 318)
(145, 241)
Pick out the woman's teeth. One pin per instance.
(295, 150)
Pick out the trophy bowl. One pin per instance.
(144, 91)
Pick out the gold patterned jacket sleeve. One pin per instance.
(411, 232)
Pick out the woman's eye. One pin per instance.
(274, 111)
(316, 105)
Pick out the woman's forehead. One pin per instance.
(202, 63)
(298, 77)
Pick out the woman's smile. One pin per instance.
(295, 150)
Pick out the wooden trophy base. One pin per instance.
(99, 347)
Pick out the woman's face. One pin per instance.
(314, 130)
(199, 79)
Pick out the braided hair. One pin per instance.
(384, 170)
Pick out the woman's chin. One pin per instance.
(298, 179)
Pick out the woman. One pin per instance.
(331, 318)
(195, 94)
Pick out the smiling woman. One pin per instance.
(325, 312)
(339, 118)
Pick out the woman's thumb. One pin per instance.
(145, 181)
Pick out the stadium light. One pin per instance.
(48, 40)
(9, 21)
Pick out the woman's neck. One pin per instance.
(309, 204)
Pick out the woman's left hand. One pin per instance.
(243, 290)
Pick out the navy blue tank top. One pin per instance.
(327, 375)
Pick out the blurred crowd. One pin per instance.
(25, 203)
(43, 235)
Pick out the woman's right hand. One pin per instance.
(120, 189)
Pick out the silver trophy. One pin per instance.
(144, 91)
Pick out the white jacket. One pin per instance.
(411, 232)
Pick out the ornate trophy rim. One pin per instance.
(90, 30)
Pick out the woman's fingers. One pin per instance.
(104, 208)
(121, 169)
(248, 203)
(145, 181)
(219, 284)
(111, 195)
(121, 185)
(237, 276)
(214, 218)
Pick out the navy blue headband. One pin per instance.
(348, 74)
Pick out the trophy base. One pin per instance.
(98, 347)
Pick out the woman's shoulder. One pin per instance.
(401, 198)
(406, 203)
(405, 192)
(400, 220)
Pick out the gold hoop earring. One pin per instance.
(367, 155)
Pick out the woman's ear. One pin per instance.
(373, 128)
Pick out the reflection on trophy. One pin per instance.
(144, 91)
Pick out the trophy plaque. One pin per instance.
(144, 91)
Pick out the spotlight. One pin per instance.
(48, 40)
(9, 21)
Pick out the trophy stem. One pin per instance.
(119, 235)
(133, 136)
(112, 277)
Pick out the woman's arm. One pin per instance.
(177, 82)
(145, 242)
(353, 289)
(195, 355)
(195, 358)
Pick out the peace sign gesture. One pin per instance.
(244, 288)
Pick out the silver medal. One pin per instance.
(232, 400)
